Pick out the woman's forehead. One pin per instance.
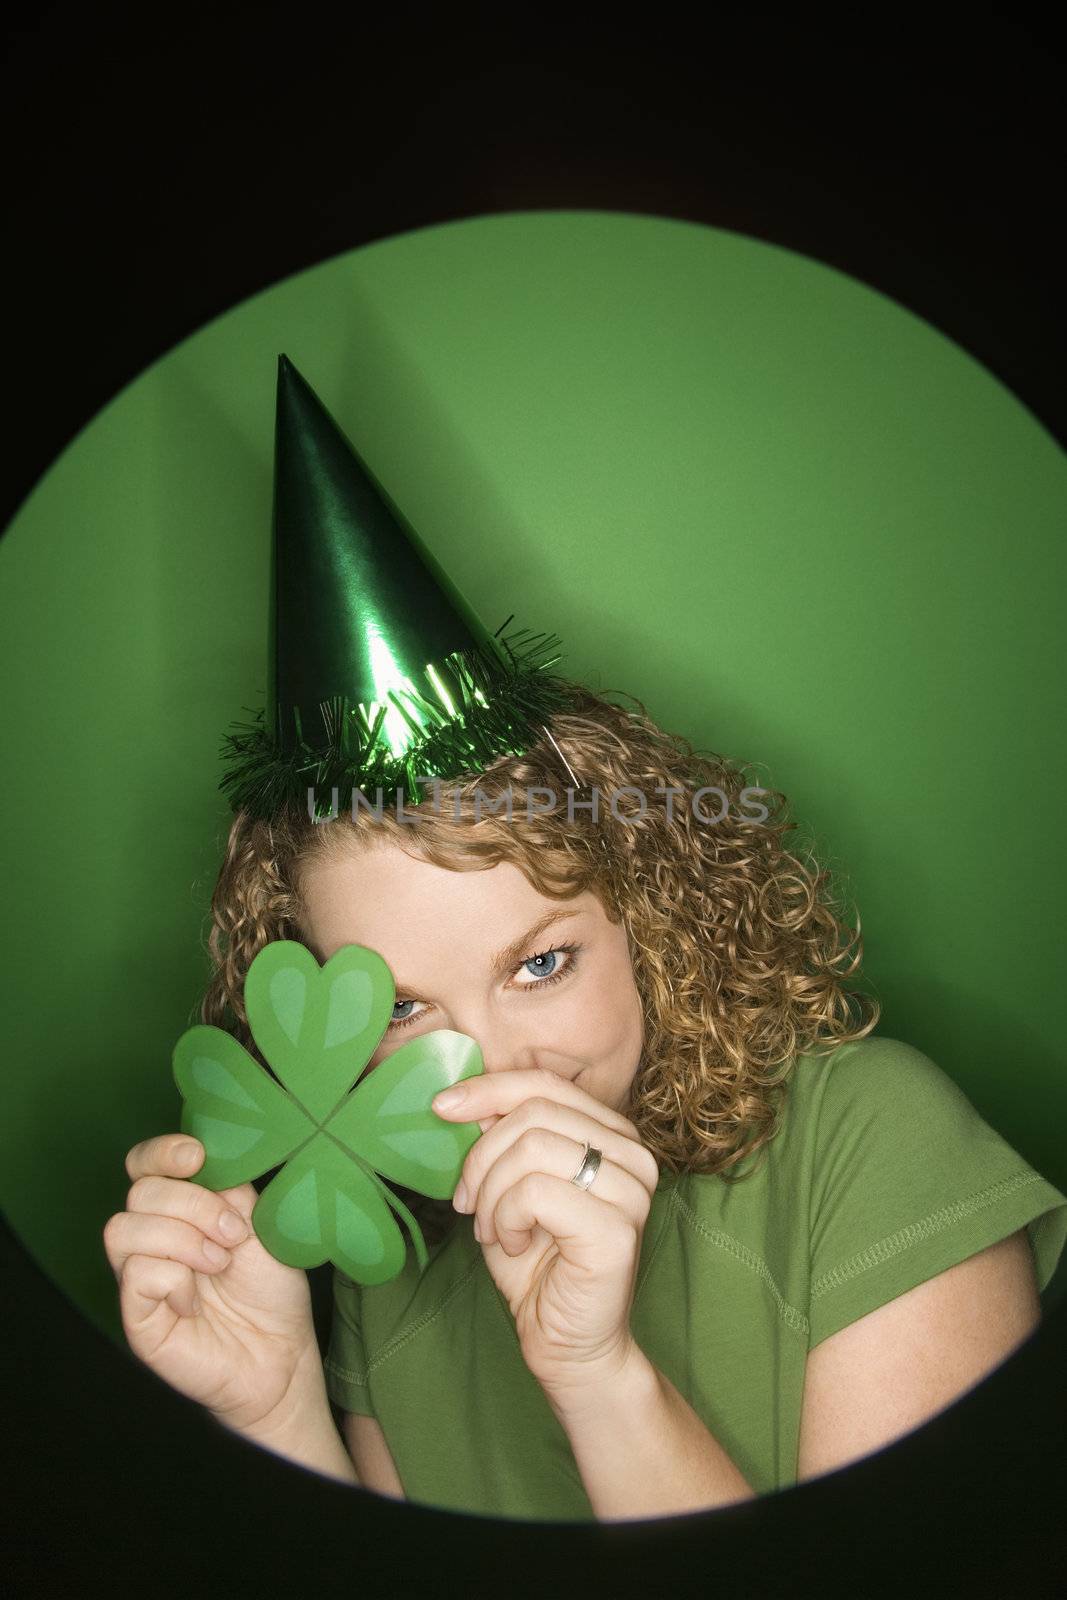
(388, 895)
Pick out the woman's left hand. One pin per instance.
(564, 1258)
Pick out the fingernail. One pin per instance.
(187, 1151)
(449, 1098)
(215, 1253)
(232, 1226)
(459, 1199)
(477, 1231)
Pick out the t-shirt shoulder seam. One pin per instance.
(358, 1380)
(400, 1339)
(789, 1314)
(895, 1244)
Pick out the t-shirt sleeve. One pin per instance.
(907, 1181)
(345, 1365)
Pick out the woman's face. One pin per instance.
(460, 946)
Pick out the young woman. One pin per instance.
(800, 1242)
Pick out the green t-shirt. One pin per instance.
(881, 1175)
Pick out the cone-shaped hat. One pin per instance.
(378, 671)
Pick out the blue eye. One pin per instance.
(536, 964)
(547, 967)
(543, 967)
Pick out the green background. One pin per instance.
(805, 528)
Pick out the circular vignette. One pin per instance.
(818, 532)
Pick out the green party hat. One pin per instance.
(379, 673)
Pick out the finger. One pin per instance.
(150, 1282)
(130, 1233)
(540, 1113)
(222, 1216)
(242, 1199)
(175, 1155)
(542, 1151)
(498, 1093)
(592, 1233)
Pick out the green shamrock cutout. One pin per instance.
(318, 1027)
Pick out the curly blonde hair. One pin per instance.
(738, 949)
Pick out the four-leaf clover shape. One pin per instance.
(318, 1027)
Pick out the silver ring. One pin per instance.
(589, 1168)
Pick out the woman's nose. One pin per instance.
(502, 1050)
(508, 1064)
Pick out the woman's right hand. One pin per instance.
(214, 1314)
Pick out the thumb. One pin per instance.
(242, 1198)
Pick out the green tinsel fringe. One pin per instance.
(351, 753)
